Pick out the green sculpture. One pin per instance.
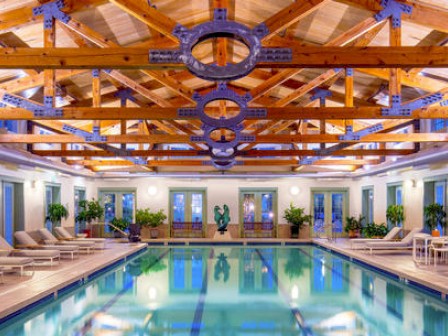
(222, 219)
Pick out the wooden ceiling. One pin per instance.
(337, 45)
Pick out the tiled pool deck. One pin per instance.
(44, 281)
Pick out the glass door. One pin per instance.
(330, 207)
(80, 195)
(119, 204)
(187, 213)
(7, 229)
(258, 213)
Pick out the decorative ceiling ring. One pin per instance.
(222, 144)
(220, 27)
(223, 165)
(217, 154)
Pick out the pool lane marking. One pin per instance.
(295, 311)
(89, 322)
(197, 319)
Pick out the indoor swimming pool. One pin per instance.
(235, 290)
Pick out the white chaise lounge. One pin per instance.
(36, 255)
(62, 233)
(359, 243)
(26, 241)
(11, 263)
(48, 238)
(405, 243)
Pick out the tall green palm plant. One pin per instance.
(395, 214)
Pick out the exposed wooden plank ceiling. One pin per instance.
(329, 40)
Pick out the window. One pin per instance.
(12, 205)
(329, 209)
(435, 192)
(80, 194)
(117, 203)
(258, 206)
(52, 195)
(394, 196)
(367, 203)
(438, 124)
(10, 125)
(187, 205)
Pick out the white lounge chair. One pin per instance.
(11, 263)
(62, 233)
(36, 255)
(26, 241)
(405, 243)
(358, 243)
(48, 238)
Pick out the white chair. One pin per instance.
(405, 243)
(358, 243)
(36, 255)
(11, 263)
(438, 247)
(48, 238)
(62, 233)
(26, 241)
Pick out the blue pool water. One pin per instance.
(222, 290)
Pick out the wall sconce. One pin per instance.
(294, 190)
(152, 190)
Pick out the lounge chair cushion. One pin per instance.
(4, 246)
(12, 261)
(25, 239)
(48, 238)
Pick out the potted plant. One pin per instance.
(90, 210)
(353, 226)
(373, 230)
(434, 216)
(395, 214)
(55, 213)
(148, 218)
(297, 218)
(118, 226)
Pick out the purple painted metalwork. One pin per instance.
(95, 73)
(221, 93)
(398, 109)
(220, 27)
(309, 160)
(393, 9)
(137, 160)
(356, 136)
(223, 165)
(89, 137)
(124, 95)
(320, 94)
(37, 109)
(349, 72)
(52, 10)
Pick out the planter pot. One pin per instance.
(435, 233)
(294, 231)
(154, 233)
(353, 233)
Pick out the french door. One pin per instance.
(119, 204)
(330, 207)
(187, 212)
(258, 209)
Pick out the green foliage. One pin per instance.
(296, 216)
(56, 212)
(296, 264)
(434, 215)
(89, 211)
(119, 223)
(353, 223)
(374, 230)
(146, 217)
(395, 214)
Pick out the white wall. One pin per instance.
(223, 191)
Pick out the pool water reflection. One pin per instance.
(223, 290)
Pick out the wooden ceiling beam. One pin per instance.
(270, 138)
(243, 153)
(148, 15)
(273, 113)
(305, 57)
(425, 15)
(290, 15)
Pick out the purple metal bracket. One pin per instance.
(137, 160)
(320, 94)
(222, 145)
(220, 27)
(38, 110)
(444, 103)
(356, 136)
(124, 95)
(309, 160)
(393, 9)
(223, 165)
(221, 93)
(52, 10)
(89, 137)
(398, 109)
